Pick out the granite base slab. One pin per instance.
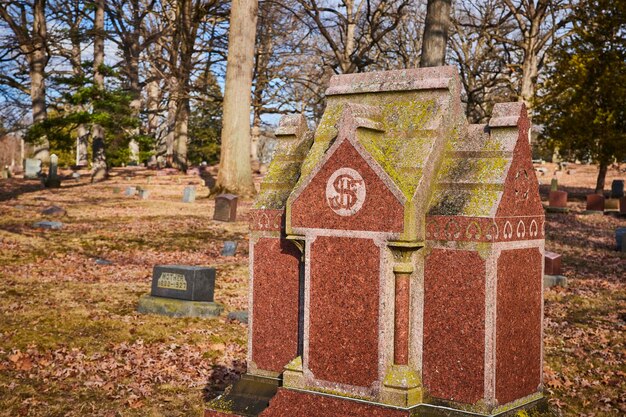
(591, 212)
(554, 281)
(252, 399)
(178, 308)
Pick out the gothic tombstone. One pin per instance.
(32, 168)
(372, 236)
(53, 180)
(180, 290)
(595, 204)
(617, 189)
(225, 208)
(189, 194)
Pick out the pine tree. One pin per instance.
(583, 105)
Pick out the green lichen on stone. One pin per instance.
(406, 117)
(295, 365)
(474, 170)
(401, 377)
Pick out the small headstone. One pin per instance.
(230, 248)
(552, 262)
(225, 208)
(554, 184)
(240, 316)
(76, 176)
(117, 190)
(53, 180)
(552, 271)
(149, 180)
(611, 204)
(595, 204)
(620, 234)
(48, 225)
(54, 211)
(617, 189)
(189, 194)
(192, 283)
(103, 262)
(130, 191)
(143, 193)
(128, 178)
(32, 168)
(557, 201)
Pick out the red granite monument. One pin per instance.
(396, 259)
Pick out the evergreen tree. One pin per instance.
(583, 105)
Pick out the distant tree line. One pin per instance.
(118, 81)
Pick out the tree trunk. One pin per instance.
(235, 173)
(172, 104)
(99, 171)
(601, 177)
(37, 62)
(530, 72)
(181, 133)
(435, 33)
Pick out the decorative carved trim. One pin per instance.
(484, 229)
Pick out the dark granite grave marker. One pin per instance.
(622, 206)
(193, 283)
(54, 211)
(181, 291)
(225, 208)
(617, 189)
(620, 234)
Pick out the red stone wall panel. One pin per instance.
(518, 324)
(381, 210)
(344, 300)
(288, 403)
(275, 305)
(454, 325)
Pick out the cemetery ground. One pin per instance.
(72, 343)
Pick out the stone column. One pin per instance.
(402, 385)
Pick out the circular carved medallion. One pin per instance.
(345, 191)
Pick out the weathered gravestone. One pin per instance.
(189, 194)
(617, 189)
(130, 191)
(225, 208)
(554, 184)
(48, 225)
(143, 193)
(396, 259)
(230, 248)
(32, 168)
(53, 181)
(557, 202)
(181, 291)
(54, 211)
(595, 204)
(552, 271)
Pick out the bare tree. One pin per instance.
(27, 22)
(235, 173)
(99, 166)
(538, 24)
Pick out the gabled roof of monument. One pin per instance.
(399, 116)
(472, 177)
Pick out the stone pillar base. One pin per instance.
(401, 387)
(177, 308)
(297, 403)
